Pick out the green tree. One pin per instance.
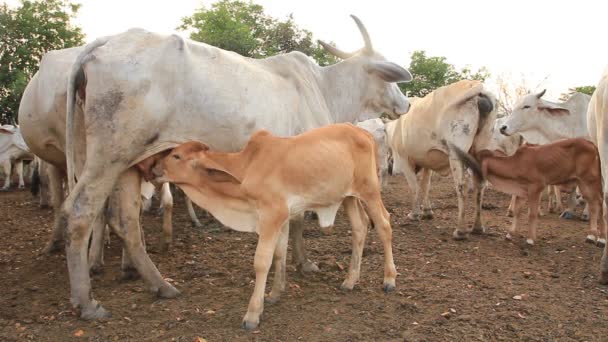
(430, 73)
(26, 34)
(589, 90)
(243, 27)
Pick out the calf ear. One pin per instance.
(215, 172)
(553, 110)
(389, 71)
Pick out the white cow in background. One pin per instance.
(378, 130)
(146, 93)
(13, 151)
(540, 122)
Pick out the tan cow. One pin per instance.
(533, 167)
(273, 179)
(462, 113)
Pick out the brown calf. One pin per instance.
(527, 172)
(272, 179)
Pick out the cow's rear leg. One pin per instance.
(280, 264)
(303, 264)
(130, 230)
(478, 228)
(19, 172)
(461, 232)
(533, 201)
(195, 222)
(97, 243)
(166, 200)
(425, 186)
(55, 184)
(381, 219)
(356, 215)
(412, 181)
(6, 166)
(517, 204)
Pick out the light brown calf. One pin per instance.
(272, 179)
(526, 173)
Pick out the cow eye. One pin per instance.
(175, 156)
(526, 107)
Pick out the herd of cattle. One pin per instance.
(257, 143)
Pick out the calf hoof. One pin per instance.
(347, 286)
(459, 236)
(510, 213)
(94, 312)
(590, 239)
(601, 242)
(509, 236)
(308, 267)
(478, 230)
(271, 299)
(567, 215)
(168, 291)
(250, 323)
(413, 216)
(427, 214)
(388, 287)
(129, 274)
(530, 242)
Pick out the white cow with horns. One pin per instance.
(138, 93)
(13, 151)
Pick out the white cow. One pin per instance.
(540, 122)
(378, 130)
(597, 121)
(461, 113)
(141, 93)
(13, 151)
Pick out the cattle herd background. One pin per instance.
(111, 130)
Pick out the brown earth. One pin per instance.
(446, 290)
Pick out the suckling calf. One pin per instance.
(272, 179)
(526, 173)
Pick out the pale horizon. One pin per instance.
(533, 39)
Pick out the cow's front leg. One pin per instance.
(461, 232)
(425, 186)
(280, 263)
(412, 181)
(6, 166)
(296, 230)
(270, 225)
(19, 172)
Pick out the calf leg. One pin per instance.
(303, 264)
(594, 199)
(381, 219)
(355, 213)
(6, 166)
(280, 263)
(511, 206)
(425, 186)
(19, 172)
(195, 222)
(517, 204)
(166, 200)
(55, 177)
(533, 201)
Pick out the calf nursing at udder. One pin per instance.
(533, 167)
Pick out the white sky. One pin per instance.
(564, 40)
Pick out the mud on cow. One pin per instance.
(259, 188)
(533, 167)
(141, 93)
(462, 113)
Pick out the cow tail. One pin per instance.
(466, 159)
(35, 186)
(76, 79)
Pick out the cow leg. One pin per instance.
(195, 222)
(550, 200)
(303, 264)
(45, 191)
(6, 166)
(271, 223)
(412, 181)
(55, 177)
(517, 204)
(355, 214)
(461, 232)
(478, 228)
(97, 243)
(425, 186)
(585, 214)
(19, 172)
(381, 219)
(166, 200)
(146, 205)
(594, 199)
(569, 213)
(511, 206)
(533, 201)
(280, 264)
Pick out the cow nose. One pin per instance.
(157, 171)
(503, 129)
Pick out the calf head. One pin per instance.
(532, 113)
(379, 76)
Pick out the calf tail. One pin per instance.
(467, 160)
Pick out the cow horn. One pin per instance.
(334, 50)
(539, 95)
(368, 42)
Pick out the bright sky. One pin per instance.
(562, 40)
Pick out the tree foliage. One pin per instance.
(589, 90)
(430, 73)
(26, 34)
(243, 27)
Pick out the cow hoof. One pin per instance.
(530, 242)
(129, 274)
(94, 313)
(509, 236)
(510, 213)
(413, 216)
(250, 324)
(3, 189)
(197, 224)
(478, 230)
(603, 278)
(590, 239)
(271, 299)
(585, 217)
(388, 287)
(347, 286)
(96, 268)
(601, 242)
(427, 214)
(567, 215)
(458, 235)
(308, 267)
(168, 291)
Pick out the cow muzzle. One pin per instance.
(503, 130)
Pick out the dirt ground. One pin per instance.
(485, 288)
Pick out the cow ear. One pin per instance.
(389, 71)
(553, 109)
